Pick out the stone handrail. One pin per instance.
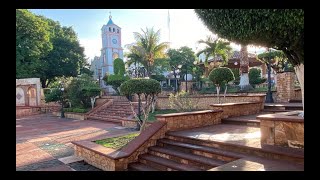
(119, 159)
(106, 103)
(187, 120)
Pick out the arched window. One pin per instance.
(118, 31)
(109, 29)
(113, 29)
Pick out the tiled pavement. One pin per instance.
(241, 135)
(43, 142)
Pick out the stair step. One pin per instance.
(295, 101)
(252, 123)
(104, 119)
(274, 110)
(203, 150)
(268, 151)
(140, 167)
(166, 163)
(188, 156)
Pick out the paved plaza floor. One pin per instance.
(43, 142)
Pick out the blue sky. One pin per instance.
(185, 27)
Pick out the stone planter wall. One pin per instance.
(283, 129)
(238, 109)
(187, 120)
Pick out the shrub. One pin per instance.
(81, 90)
(119, 67)
(150, 88)
(221, 76)
(79, 110)
(255, 77)
(183, 102)
(116, 80)
(158, 77)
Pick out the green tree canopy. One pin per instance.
(215, 48)
(281, 29)
(32, 43)
(119, 68)
(182, 56)
(56, 50)
(81, 89)
(221, 75)
(255, 76)
(147, 48)
(115, 80)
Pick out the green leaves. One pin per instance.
(116, 80)
(140, 86)
(282, 29)
(46, 49)
(119, 68)
(221, 75)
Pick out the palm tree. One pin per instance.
(216, 48)
(148, 47)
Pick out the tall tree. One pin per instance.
(281, 29)
(148, 47)
(183, 56)
(32, 43)
(46, 50)
(215, 48)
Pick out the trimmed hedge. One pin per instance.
(140, 86)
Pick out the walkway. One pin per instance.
(43, 142)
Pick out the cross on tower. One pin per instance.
(110, 15)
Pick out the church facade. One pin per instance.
(111, 49)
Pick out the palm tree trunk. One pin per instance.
(244, 67)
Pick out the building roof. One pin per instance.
(110, 22)
(236, 58)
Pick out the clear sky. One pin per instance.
(185, 27)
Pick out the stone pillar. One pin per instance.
(183, 86)
(285, 86)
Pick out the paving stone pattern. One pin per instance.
(43, 139)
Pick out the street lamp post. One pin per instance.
(175, 71)
(99, 76)
(269, 98)
(62, 100)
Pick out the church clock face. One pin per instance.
(114, 41)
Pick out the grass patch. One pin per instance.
(117, 142)
(152, 118)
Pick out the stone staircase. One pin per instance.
(174, 155)
(177, 153)
(118, 110)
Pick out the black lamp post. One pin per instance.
(175, 71)
(99, 76)
(269, 98)
(62, 100)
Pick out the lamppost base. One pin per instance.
(269, 98)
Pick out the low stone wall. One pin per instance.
(27, 111)
(187, 120)
(132, 123)
(238, 109)
(109, 159)
(79, 116)
(282, 129)
(203, 101)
